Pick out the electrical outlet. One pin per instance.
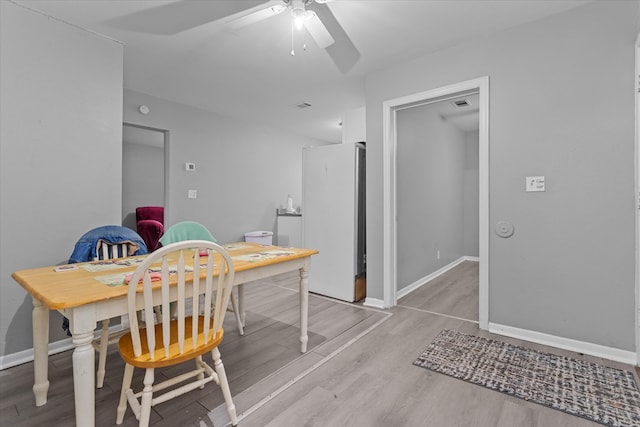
(192, 194)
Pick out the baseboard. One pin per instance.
(426, 279)
(373, 302)
(26, 356)
(623, 356)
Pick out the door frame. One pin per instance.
(389, 147)
(637, 194)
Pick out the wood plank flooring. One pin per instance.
(454, 293)
(358, 370)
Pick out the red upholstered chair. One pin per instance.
(150, 225)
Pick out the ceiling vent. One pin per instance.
(303, 105)
(461, 103)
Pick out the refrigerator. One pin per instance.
(333, 202)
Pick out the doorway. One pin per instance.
(391, 109)
(143, 170)
(437, 192)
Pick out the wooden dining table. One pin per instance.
(87, 293)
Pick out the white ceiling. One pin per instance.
(249, 73)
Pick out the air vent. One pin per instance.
(303, 105)
(460, 103)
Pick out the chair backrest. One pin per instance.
(91, 245)
(186, 230)
(150, 224)
(150, 230)
(195, 271)
(107, 250)
(155, 213)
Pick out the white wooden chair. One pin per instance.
(107, 251)
(191, 230)
(187, 278)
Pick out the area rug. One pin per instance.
(598, 393)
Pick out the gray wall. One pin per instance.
(243, 171)
(430, 197)
(61, 157)
(561, 105)
(60, 151)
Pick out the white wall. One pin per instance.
(60, 151)
(244, 171)
(561, 105)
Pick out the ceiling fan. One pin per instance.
(314, 16)
(302, 14)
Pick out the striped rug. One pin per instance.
(598, 393)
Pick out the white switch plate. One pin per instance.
(534, 183)
(190, 167)
(192, 194)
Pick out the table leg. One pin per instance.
(84, 371)
(304, 308)
(241, 303)
(40, 323)
(236, 312)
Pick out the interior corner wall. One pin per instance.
(562, 106)
(244, 171)
(60, 155)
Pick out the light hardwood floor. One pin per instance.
(358, 370)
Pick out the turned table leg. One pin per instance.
(84, 369)
(304, 307)
(40, 321)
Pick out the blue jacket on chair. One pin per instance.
(86, 247)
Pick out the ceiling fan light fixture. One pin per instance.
(298, 21)
(298, 13)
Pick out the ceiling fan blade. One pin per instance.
(318, 31)
(343, 52)
(173, 18)
(272, 8)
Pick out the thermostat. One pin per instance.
(143, 109)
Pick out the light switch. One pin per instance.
(534, 183)
(192, 194)
(190, 167)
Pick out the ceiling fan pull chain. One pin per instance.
(304, 40)
(293, 53)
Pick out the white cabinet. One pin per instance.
(289, 230)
